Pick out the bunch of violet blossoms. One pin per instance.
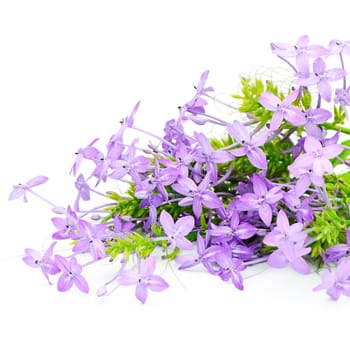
(265, 191)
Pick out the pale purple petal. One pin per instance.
(16, 193)
(184, 225)
(81, 283)
(157, 284)
(185, 186)
(332, 151)
(37, 181)
(221, 157)
(276, 120)
(257, 158)
(322, 166)
(325, 90)
(197, 207)
(265, 213)
(269, 101)
(282, 221)
(277, 259)
(239, 132)
(302, 62)
(300, 265)
(128, 277)
(65, 282)
(211, 200)
(141, 292)
(148, 266)
(167, 222)
(183, 243)
(319, 66)
(259, 185)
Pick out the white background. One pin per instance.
(69, 71)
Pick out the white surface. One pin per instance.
(69, 71)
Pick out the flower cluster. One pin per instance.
(273, 188)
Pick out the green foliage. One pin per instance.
(142, 245)
(250, 93)
(328, 228)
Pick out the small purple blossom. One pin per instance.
(316, 157)
(176, 231)
(197, 195)
(20, 190)
(45, 262)
(71, 275)
(337, 282)
(91, 239)
(144, 279)
(263, 199)
(250, 146)
(322, 78)
(302, 51)
(230, 269)
(282, 109)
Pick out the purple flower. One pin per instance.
(92, 238)
(230, 269)
(176, 231)
(197, 195)
(182, 162)
(160, 178)
(316, 157)
(87, 152)
(67, 227)
(285, 232)
(196, 105)
(236, 229)
(342, 96)
(121, 228)
(130, 164)
(20, 190)
(302, 51)
(339, 47)
(263, 199)
(322, 78)
(337, 282)
(250, 146)
(46, 263)
(290, 253)
(83, 191)
(282, 109)
(207, 155)
(204, 253)
(144, 279)
(338, 251)
(71, 274)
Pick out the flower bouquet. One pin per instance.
(273, 187)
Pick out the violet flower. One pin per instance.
(71, 275)
(337, 282)
(250, 146)
(144, 279)
(230, 269)
(282, 109)
(322, 78)
(316, 157)
(302, 51)
(21, 190)
(263, 199)
(176, 231)
(91, 239)
(46, 263)
(197, 195)
(290, 253)
(204, 253)
(338, 251)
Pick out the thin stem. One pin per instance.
(42, 198)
